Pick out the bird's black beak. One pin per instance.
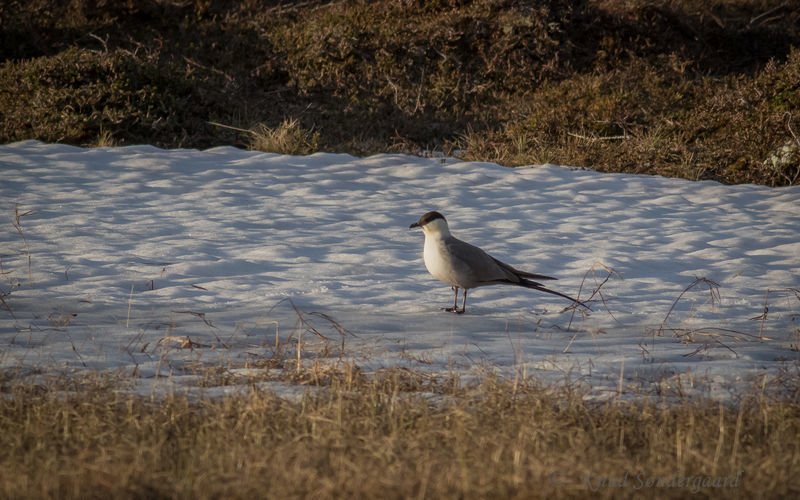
(412, 226)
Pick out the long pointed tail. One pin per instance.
(538, 286)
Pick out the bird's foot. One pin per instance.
(453, 310)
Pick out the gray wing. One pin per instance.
(523, 274)
(476, 266)
(479, 268)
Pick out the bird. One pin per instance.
(465, 266)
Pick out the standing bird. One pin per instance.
(466, 266)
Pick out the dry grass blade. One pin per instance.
(303, 321)
(18, 226)
(767, 16)
(5, 304)
(200, 315)
(597, 291)
(75, 350)
(208, 323)
(705, 347)
(183, 342)
(713, 290)
(599, 138)
(713, 331)
(763, 316)
(341, 329)
(343, 332)
(5, 293)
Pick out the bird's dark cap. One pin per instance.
(427, 218)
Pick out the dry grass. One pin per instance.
(673, 88)
(398, 435)
(287, 138)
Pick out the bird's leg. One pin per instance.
(453, 309)
(464, 304)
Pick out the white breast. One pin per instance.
(440, 265)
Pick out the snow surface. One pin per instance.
(134, 249)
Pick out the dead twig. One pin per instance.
(343, 332)
(765, 311)
(244, 130)
(768, 15)
(5, 304)
(283, 8)
(202, 316)
(196, 64)
(714, 331)
(713, 289)
(301, 318)
(184, 342)
(597, 291)
(18, 226)
(763, 316)
(707, 346)
(599, 138)
(792, 180)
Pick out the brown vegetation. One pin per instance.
(676, 88)
(394, 435)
